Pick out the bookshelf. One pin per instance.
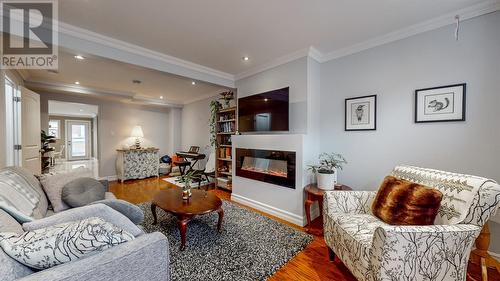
(226, 128)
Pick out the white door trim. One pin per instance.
(88, 139)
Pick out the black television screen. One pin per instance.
(264, 112)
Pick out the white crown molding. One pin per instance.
(88, 35)
(119, 96)
(441, 21)
(205, 96)
(311, 51)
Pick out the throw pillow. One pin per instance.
(82, 191)
(53, 185)
(131, 211)
(62, 243)
(401, 202)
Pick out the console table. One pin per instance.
(137, 163)
(313, 193)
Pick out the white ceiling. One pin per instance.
(60, 108)
(106, 76)
(218, 33)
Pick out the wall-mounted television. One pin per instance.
(265, 112)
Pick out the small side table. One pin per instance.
(313, 193)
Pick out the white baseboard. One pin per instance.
(109, 178)
(285, 215)
(495, 255)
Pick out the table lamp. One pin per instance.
(137, 134)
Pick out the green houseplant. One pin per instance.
(326, 170)
(187, 179)
(215, 106)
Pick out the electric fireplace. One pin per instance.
(271, 166)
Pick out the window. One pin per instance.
(54, 127)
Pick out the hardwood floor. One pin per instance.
(311, 264)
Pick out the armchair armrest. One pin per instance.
(144, 258)
(433, 252)
(356, 202)
(97, 210)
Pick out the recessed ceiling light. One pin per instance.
(81, 110)
(77, 83)
(161, 97)
(79, 57)
(193, 83)
(265, 99)
(245, 58)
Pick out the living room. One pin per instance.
(336, 145)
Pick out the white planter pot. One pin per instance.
(326, 181)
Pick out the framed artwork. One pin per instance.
(361, 113)
(440, 104)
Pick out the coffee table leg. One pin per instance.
(221, 217)
(307, 206)
(153, 210)
(182, 222)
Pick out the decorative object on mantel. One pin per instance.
(440, 104)
(137, 134)
(326, 171)
(227, 97)
(361, 113)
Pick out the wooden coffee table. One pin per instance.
(201, 202)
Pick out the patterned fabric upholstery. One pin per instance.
(21, 196)
(458, 190)
(373, 250)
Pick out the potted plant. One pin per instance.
(227, 97)
(187, 179)
(215, 106)
(46, 140)
(326, 171)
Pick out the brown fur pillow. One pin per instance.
(400, 202)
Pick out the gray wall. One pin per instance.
(393, 72)
(115, 123)
(293, 75)
(195, 123)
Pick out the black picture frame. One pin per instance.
(463, 106)
(347, 112)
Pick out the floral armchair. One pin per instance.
(374, 250)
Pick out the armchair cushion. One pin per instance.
(400, 202)
(351, 236)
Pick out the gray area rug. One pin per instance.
(249, 247)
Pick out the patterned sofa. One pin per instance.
(374, 250)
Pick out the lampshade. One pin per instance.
(137, 132)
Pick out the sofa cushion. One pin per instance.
(62, 243)
(20, 195)
(9, 224)
(400, 202)
(82, 191)
(351, 236)
(53, 184)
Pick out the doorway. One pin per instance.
(78, 139)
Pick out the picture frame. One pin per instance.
(440, 104)
(361, 113)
